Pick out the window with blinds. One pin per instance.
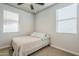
(11, 21)
(66, 19)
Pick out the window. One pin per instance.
(10, 21)
(66, 19)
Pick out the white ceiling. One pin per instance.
(26, 6)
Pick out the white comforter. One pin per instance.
(27, 44)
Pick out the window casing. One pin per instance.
(11, 21)
(66, 19)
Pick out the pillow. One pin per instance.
(38, 34)
(43, 36)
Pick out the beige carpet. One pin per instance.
(50, 51)
(47, 51)
(4, 52)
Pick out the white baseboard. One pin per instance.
(4, 47)
(75, 53)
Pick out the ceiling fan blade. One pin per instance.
(31, 6)
(20, 3)
(40, 3)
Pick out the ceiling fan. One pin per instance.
(31, 5)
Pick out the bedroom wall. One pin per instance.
(26, 26)
(46, 22)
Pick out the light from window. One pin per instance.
(66, 19)
(11, 20)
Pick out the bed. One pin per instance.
(25, 45)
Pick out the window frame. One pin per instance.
(14, 20)
(66, 19)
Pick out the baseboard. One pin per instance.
(4, 47)
(75, 53)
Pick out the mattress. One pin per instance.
(26, 45)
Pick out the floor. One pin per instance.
(50, 51)
(46, 51)
(4, 52)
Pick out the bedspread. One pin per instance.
(27, 44)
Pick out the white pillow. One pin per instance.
(38, 34)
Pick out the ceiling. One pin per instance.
(26, 6)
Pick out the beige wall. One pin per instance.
(26, 24)
(46, 22)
